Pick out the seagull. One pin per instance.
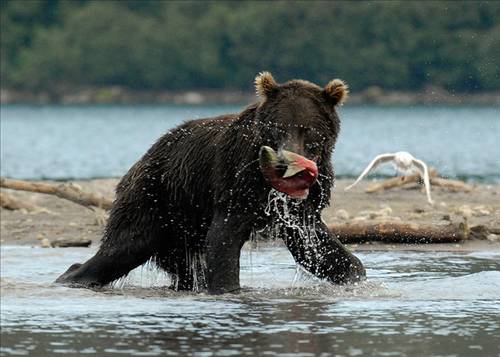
(403, 161)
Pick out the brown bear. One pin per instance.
(207, 186)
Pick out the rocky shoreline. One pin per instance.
(119, 95)
(56, 219)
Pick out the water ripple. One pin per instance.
(412, 304)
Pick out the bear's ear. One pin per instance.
(336, 91)
(265, 85)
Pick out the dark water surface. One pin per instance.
(413, 304)
(82, 142)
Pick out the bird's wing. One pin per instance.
(424, 172)
(380, 159)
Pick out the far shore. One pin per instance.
(119, 95)
(60, 219)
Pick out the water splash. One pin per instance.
(291, 220)
(147, 275)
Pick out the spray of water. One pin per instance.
(292, 221)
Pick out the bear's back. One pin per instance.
(179, 168)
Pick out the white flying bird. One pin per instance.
(402, 161)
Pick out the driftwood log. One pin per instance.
(65, 243)
(452, 185)
(67, 191)
(395, 232)
(396, 182)
(11, 203)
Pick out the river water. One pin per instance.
(413, 304)
(81, 142)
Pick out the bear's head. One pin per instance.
(298, 125)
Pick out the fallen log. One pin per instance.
(452, 185)
(480, 232)
(494, 230)
(67, 191)
(398, 181)
(395, 232)
(11, 203)
(65, 243)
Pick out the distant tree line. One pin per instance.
(150, 44)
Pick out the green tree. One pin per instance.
(222, 44)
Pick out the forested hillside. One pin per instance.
(178, 45)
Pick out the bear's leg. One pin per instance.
(322, 254)
(123, 249)
(178, 263)
(103, 268)
(191, 273)
(183, 279)
(225, 238)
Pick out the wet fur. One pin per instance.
(197, 195)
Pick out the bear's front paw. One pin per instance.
(75, 277)
(63, 278)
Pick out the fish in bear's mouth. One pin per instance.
(287, 171)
